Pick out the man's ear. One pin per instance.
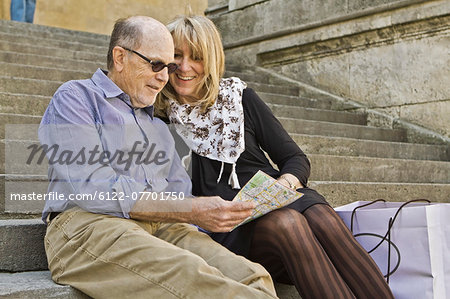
(119, 57)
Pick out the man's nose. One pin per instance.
(163, 75)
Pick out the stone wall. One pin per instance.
(4, 9)
(215, 3)
(391, 56)
(98, 16)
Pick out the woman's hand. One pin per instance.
(290, 181)
(217, 215)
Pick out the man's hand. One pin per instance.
(217, 215)
(210, 212)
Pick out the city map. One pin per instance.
(268, 193)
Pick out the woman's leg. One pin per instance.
(283, 243)
(354, 264)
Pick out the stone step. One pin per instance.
(273, 91)
(38, 284)
(22, 246)
(28, 86)
(50, 61)
(7, 118)
(23, 103)
(43, 81)
(312, 144)
(340, 146)
(324, 167)
(299, 101)
(309, 93)
(322, 128)
(42, 72)
(16, 157)
(277, 89)
(23, 194)
(342, 193)
(57, 52)
(252, 76)
(69, 43)
(367, 169)
(318, 114)
(286, 291)
(12, 27)
(35, 284)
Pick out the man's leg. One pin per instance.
(229, 264)
(109, 257)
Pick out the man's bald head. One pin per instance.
(133, 31)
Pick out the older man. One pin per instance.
(120, 230)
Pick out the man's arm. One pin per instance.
(211, 213)
(70, 124)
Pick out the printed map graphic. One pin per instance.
(268, 193)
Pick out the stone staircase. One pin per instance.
(34, 61)
(350, 160)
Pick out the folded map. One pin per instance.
(268, 194)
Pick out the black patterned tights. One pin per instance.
(316, 252)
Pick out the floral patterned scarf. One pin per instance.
(218, 133)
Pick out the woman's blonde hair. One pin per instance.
(204, 41)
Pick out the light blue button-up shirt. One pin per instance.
(103, 152)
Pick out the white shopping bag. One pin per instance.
(419, 263)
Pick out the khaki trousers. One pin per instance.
(110, 257)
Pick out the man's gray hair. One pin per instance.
(126, 33)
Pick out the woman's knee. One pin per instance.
(322, 218)
(283, 221)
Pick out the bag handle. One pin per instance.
(393, 219)
(387, 236)
(362, 206)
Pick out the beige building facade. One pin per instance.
(389, 56)
(98, 16)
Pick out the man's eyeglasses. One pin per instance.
(157, 66)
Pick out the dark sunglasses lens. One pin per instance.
(172, 67)
(157, 66)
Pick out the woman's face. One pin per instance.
(189, 75)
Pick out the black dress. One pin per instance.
(262, 132)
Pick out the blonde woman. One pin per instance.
(227, 127)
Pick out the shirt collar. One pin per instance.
(111, 90)
(150, 111)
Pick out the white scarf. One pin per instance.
(218, 133)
